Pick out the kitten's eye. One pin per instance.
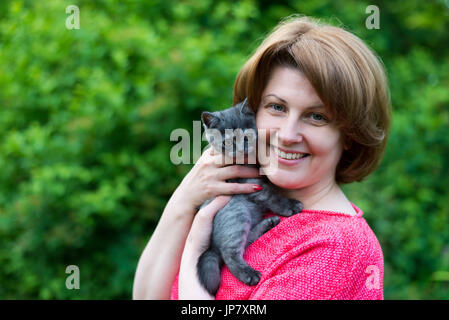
(276, 107)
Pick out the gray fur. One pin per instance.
(241, 221)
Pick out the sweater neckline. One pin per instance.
(358, 211)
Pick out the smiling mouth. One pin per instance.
(290, 156)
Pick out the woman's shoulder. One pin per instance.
(351, 234)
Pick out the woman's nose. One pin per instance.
(290, 134)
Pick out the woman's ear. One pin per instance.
(347, 143)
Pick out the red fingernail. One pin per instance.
(256, 187)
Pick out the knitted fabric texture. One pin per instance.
(316, 255)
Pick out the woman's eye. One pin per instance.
(277, 107)
(318, 117)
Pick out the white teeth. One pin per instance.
(289, 156)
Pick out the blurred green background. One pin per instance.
(86, 116)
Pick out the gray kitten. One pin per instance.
(241, 221)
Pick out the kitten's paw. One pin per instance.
(249, 276)
(294, 207)
(272, 222)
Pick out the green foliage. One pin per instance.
(86, 117)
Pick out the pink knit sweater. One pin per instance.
(311, 255)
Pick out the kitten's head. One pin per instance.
(232, 131)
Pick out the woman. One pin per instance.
(322, 93)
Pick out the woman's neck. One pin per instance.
(325, 195)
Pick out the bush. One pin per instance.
(86, 117)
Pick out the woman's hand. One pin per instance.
(160, 261)
(197, 242)
(207, 179)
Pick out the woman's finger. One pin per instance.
(213, 207)
(212, 157)
(199, 235)
(217, 158)
(228, 188)
(238, 171)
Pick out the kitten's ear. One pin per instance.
(244, 108)
(209, 119)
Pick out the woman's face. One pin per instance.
(291, 110)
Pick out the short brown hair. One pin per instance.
(345, 73)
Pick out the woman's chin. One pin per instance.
(291, 185)
(283, 179)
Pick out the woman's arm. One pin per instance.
(159, 262)
(161, 258)
(197, 242)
